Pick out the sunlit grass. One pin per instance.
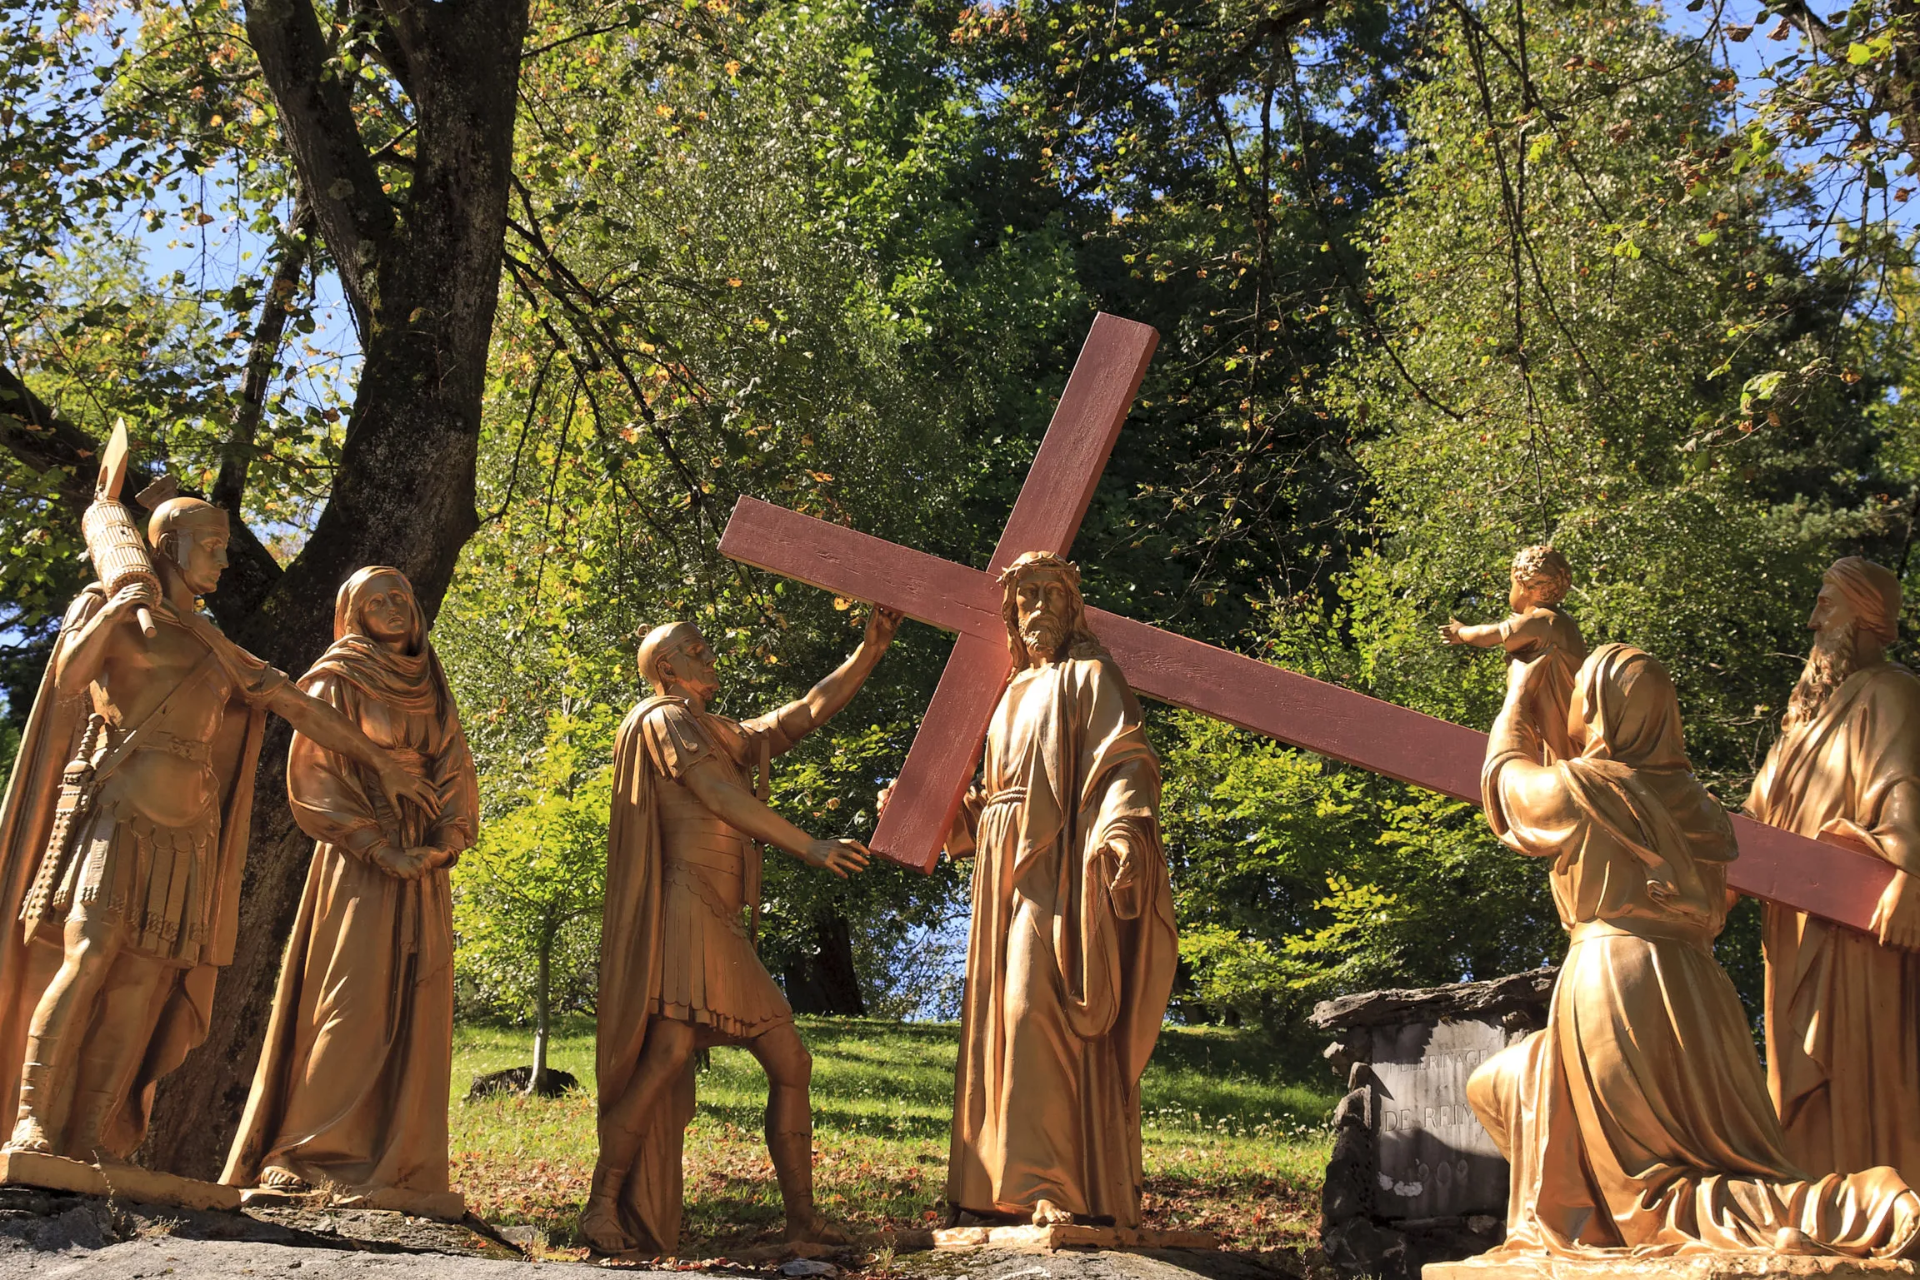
(1235, 1139)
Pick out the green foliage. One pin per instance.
(731, 301)
(1296, 879)
(1432, 282)
(1684, 415)
(142, 178)
(1234, 1131)
(532, 887)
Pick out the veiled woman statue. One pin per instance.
(1638, 1122)
(351, 1091)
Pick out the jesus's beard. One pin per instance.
(1828, 666)
(1042, 635)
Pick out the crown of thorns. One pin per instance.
(1047, 560)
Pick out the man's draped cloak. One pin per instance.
(1071, 955)
(672, 941)
(1843, 1012)
(27, 964)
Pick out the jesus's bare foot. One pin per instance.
(1048, 1214)
(814, 1229)
(29, 1136)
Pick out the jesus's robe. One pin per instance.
(1072, 952)
(1843, 1011)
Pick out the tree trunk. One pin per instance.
(422, 273)
(542, 1014)
(824, 981)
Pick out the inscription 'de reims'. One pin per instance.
(1436, 1159)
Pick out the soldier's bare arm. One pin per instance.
(83, 655)
(826, 699)
(740, 809)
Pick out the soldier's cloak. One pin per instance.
(631, 962)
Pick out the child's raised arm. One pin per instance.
(1481, 637)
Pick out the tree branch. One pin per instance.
(41, 439)
(391, 48)
(236, 455)
(316, 114)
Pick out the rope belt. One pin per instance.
(1634, 927)
(1012, 795)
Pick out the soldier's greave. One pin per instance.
(109, 1061)
(112, 1058)
(54, 1043)
(792, 1152)
(42, 1100)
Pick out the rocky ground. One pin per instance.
(49, 1234)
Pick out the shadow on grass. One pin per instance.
(748, 1117)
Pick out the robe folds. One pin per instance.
(672, 939)
(31, 955)
(1638, 1122)
(1843, 1012)
(352, 1085)
(1071, 955)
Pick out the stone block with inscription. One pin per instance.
(1414, 1178)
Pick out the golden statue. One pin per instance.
(1638, 1121)
(1537, 629)
(678, 969)
(1843, 1008)
(1071, 954)
(351, 1090)
(125, 829)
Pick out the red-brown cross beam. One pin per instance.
(1839, 883)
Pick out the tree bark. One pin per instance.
(542, 1013)
(825, 981)
(422, 272)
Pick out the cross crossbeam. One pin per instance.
(1836, 882)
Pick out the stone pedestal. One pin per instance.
(121, 1181)
(446, 1206)
(1712, 1266)
(1414, 1178)
(1070, 1237)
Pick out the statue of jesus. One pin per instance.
(1071, 955)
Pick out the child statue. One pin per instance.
(1537, 629)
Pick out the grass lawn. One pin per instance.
(1235, 1133)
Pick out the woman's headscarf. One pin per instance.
(407, 679)
(1633, 777)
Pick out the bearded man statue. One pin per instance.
(1843, 1007)
(1071, 954)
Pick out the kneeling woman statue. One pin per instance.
(352, 1086)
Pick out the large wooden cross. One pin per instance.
(1836, 882)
